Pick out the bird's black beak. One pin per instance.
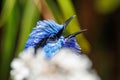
(76, 33)
(64, 25)
(68, 21)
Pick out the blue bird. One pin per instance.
(48, 35)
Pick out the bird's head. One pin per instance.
(48, 36)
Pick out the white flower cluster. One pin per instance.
(65, 65)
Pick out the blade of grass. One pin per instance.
(6, 11)
(55, 10)
(29, 19)
(68, 10)
(8, 43)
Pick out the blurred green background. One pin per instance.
(101, 42)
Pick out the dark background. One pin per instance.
(104, 36)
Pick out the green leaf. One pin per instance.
(8, 42)
(29, 19)
(7, 10)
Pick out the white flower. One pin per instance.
(65, 65)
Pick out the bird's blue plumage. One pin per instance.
(52, 47)
(43, 30)
(48, 35)
(72, 44)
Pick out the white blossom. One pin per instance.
(65, 65)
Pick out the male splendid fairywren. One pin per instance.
(47, 35)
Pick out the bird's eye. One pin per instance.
(52, 38)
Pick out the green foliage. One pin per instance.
(28, 21)
(107, 6)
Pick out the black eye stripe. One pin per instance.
(52, 38)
